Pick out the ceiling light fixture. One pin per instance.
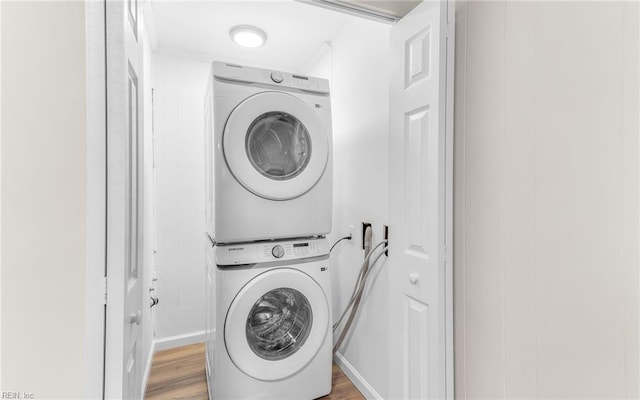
(248, 36)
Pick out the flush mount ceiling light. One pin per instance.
(248, 36)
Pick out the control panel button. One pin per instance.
(277, 77)
(277, 251)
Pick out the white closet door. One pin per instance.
(123, 371)
(420, 186)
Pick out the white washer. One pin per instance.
(269, 320)
(268, 155)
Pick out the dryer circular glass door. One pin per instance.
(275, 145)
(276, 324)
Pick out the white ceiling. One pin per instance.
(296, 31)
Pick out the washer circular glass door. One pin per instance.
(276, 324)
(275, 145)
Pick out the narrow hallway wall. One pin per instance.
(546, 200)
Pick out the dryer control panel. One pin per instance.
(261, 252)
(241, 73)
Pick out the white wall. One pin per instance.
(358, 67)
(43, 197)
(546, 200)
(180, 85)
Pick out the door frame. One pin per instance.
(448, 226)
(96, 164)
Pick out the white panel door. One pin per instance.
(420, 188)
(124, 202)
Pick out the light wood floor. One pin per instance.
(180, 374)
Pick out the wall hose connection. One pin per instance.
(361, 281)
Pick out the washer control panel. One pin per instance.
(293, 249)
(260, 252)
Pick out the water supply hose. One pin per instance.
(361, 281)
(356, 302)
(357, 284)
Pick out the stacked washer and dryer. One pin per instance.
(268, 207)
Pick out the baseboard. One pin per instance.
(147, 369)
(354, 376)
(179, 340)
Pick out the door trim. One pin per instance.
(355, 10)
(96, 164)
(448, 226)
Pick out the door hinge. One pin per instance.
(104, 287)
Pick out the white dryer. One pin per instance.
(269, 332)
(268, 154)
